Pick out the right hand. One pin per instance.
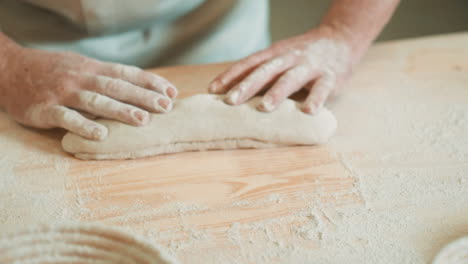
(54, 89)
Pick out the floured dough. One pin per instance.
(78, 243)
(203, 122)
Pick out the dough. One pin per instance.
(78, 243)
(204, 122)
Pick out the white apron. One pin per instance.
(144, 33)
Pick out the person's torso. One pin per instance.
(140, 32)
(113, 16)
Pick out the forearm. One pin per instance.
(6, 45)
(359, 21)
(7, 49)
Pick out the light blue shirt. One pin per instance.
(144, 33)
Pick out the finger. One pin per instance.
(104, 106)
(222, 83)
(290, 82)
(129, 93)
(256, 80)
(318, 95)
(140, 78)
(61, 116)
(87, 115)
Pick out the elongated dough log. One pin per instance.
(203, 122)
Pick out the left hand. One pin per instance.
(320, 61)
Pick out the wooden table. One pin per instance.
(390, 187)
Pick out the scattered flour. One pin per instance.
(25, 196)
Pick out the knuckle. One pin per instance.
(58, 116)
(25, 118)
(57, 113)
(89, 99)
(296, 75)
(38, 115)
(125, 70)
(108, 84)
(119, 69)
(67, 80)
(112, 85)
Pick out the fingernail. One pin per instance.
(141, 116)
(232, 98)
(164, 105)
(213, 87)
(99, 133)
(311, 108)
(171, 92)
(266, 105)
(216, 86)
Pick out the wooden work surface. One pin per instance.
(391, 186)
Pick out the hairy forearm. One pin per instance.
(7, 49)
(359, 21)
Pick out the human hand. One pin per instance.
(49, 89)
(319, 61)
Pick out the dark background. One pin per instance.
(413, 17)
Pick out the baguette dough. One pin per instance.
(204, 122)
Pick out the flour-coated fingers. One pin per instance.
(126, 92)
(104, 106)
(140, 78)
(259, 78)
(318, 95)
(223, 82)
(290, 82)
(71, 120)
